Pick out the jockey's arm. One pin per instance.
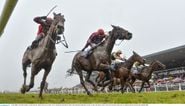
(40, 20)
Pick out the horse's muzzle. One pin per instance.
(60, 29)
(129, 35)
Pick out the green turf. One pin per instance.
(151, 98)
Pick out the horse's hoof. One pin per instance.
(23, 90)
(40, 96)
(88, 93)
(95, 89)
(27, 88)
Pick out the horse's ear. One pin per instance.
(134, 52)
(113, 26)
(54, 13)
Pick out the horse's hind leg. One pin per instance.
(88, 80)
(46, 72)
(130, 86)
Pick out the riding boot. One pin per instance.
(89, 52)
(35, 43)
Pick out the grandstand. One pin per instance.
(174, 59)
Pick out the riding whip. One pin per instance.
(72, 51)
(51, 10)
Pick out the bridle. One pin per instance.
(63, 41)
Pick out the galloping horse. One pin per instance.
(43, 56)
(146, 73)
(123, 71)
(100, 58)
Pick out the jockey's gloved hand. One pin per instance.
(83, 49)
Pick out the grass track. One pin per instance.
(149, 98)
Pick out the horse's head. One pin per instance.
(159, 65)
(60, 22)
(138, 58)
(120, 33)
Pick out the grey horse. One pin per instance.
(100, 58)
(43, 56)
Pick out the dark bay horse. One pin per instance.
(146, 73)
(43, 56)
(122, 71)
(100, 58)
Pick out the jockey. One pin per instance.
(137, 68)
(44, 25)
(94, 40)
(117, 58)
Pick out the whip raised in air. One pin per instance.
(51, 10)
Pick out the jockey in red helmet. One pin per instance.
(95, 38)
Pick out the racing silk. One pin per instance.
(40, 30)
(96, 38)
(43, 26)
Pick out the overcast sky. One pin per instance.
(156, 25)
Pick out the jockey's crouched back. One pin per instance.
(94, 40)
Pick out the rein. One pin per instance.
(119, 43)
(64, 42)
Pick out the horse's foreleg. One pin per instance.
(130, 83)
(82, 81)
(142, 85)
(34, 72)
(122, 85)
(148, 84)
(25, 64)
(23, 89)
(88, 80)
(24, 74)
(42, 85)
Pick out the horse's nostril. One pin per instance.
(130, 33)
(130, 36)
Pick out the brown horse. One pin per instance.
(43, 56)
(100, 58)
(146, 73)
(122, 71)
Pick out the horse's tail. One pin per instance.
(71, 71)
